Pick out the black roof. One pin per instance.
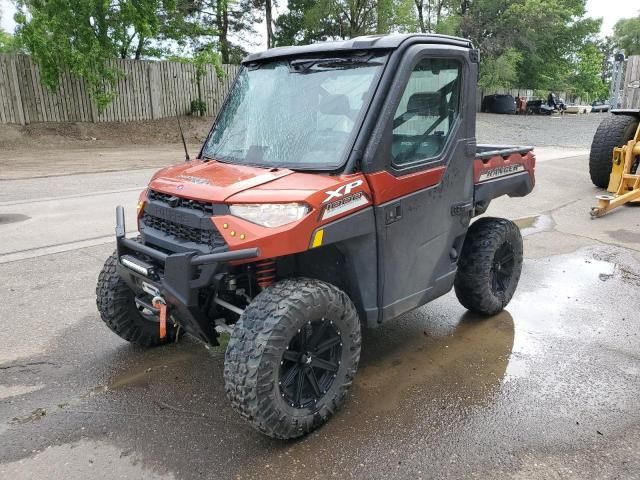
(369, 42)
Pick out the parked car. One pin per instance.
(498, 103)
(600, 106)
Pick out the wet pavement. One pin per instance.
(549, 388)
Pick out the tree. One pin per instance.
(335, 19)
(547, 33)
(430, 14)
(266, 6)
(586, 81)
(291, 28)
(7, 42)
(202, 60)
(84, 35)
(225, 18)
(500, 71)
(626, 35)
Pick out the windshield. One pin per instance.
(300, 114)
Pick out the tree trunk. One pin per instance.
(140, 48)
(222, 22)
(419, 7)
(269, 21)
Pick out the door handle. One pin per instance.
(392, 213)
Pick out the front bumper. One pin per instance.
(178, 277)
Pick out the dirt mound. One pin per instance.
(147, 132)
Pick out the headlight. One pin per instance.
(270, 214)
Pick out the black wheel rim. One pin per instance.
(502, 269)
(310, 363)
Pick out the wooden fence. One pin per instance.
(631, 91)
(150, 90)
(147, 90)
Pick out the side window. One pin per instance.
(427, 110)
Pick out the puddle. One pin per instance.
(556, 299)
(7, 218)
(144, 371)
(622, 235)
(534, 224)
(473, 355)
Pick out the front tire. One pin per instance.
(613, 131)
(292, 357)
(118, 310)
(489, 266)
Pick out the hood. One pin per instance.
(212, 181)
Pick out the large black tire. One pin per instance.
(489, 266)
(119, 312)
(613, 131)
(261, 346)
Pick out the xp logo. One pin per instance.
(342, 190)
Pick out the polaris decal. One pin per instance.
(344, 205)
(342, 190)
(501, 171)
(196, 180)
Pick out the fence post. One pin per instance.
(16, 90)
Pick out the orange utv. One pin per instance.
(334, 192)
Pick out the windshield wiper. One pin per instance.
(303, 65)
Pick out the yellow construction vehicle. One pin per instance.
(614, 162)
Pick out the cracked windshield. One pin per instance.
(298, 114)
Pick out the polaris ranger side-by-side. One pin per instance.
(334, 191)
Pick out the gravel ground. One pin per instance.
(570, 131)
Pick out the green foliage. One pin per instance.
(198, 107)
(626, 35)
(204, 57)
(538, 44)
(84, 35)
(586, 82)
(7, 42)
(500, 71)
(290, 26)
(309, 21)
(223, 19)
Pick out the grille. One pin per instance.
(183, 233)
(174, 201)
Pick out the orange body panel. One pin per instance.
(235, 184)
(218, 182)
(387, 187)
(528, 161)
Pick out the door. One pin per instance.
(423, 204)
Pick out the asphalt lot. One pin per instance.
(549, 388)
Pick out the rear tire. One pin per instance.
(276, 374)
(489, 266)
(613, 131)
(118, 310)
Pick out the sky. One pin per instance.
(609, 10)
